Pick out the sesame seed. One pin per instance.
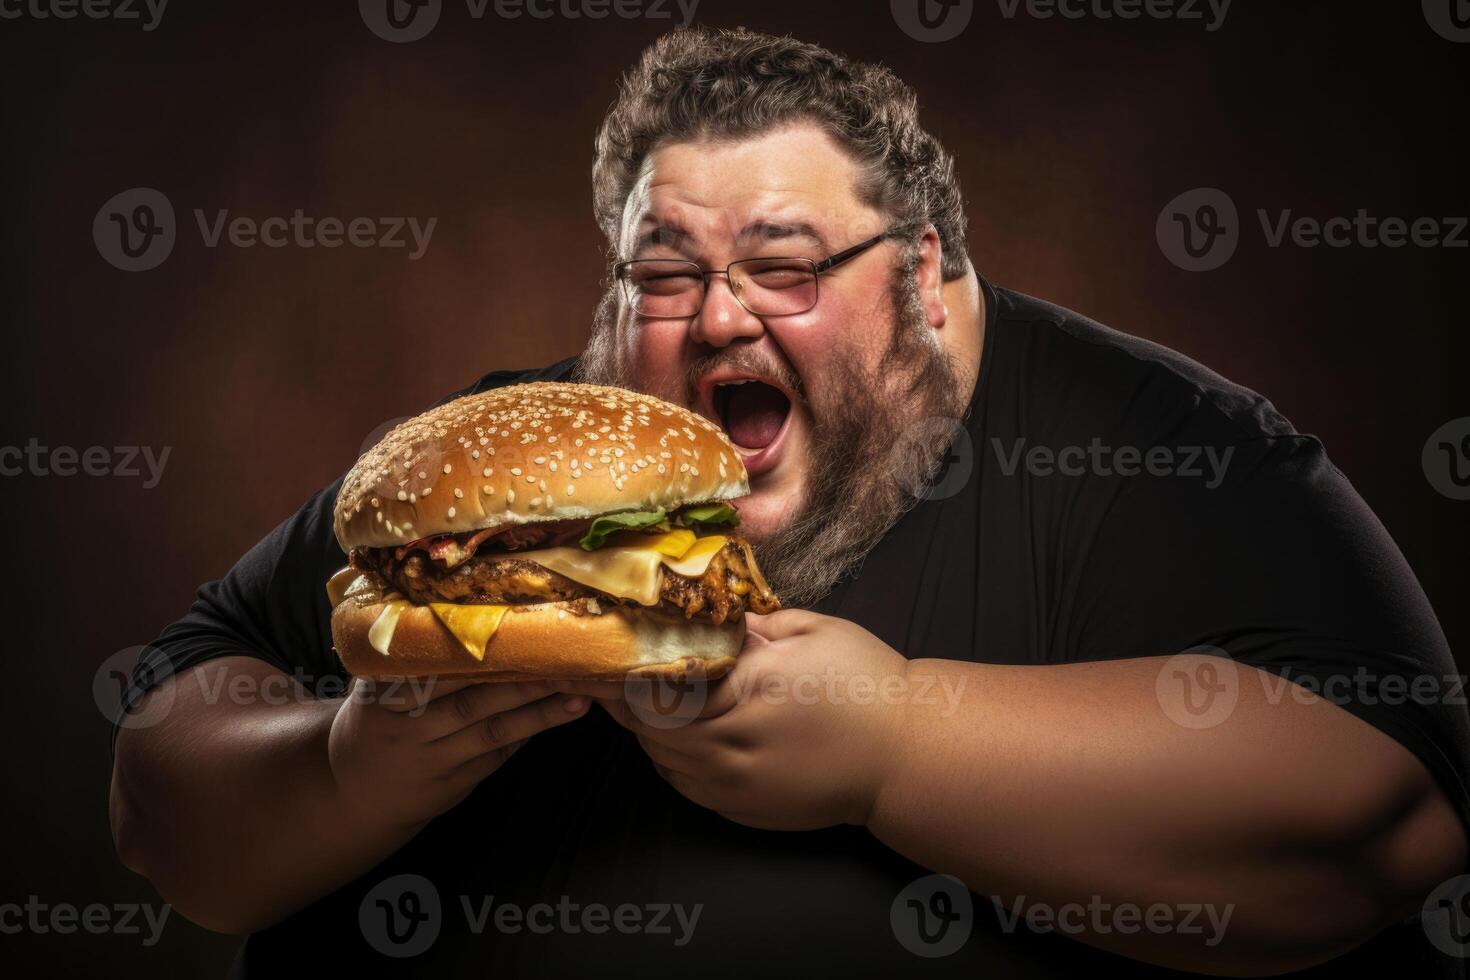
(447, 468)
(510, 496)
(515, 471)
(486, 472)
(402, 495)
(458, 493)
(451, 513)
(530, 478)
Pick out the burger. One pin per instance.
(545, 531)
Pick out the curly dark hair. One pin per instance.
(700, 82)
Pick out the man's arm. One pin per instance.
(1061, 783)
(243, 809)
(1070, 785)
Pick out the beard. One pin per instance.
(878, 439)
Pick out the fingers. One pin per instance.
(600, 690)
(407, 695)
(495, 731)
(474, 703)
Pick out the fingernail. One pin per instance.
(575, 705)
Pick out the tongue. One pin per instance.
(754, 413)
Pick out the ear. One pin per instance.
(929, 277)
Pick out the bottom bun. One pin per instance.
(541, 641)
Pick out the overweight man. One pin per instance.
(1089, 663)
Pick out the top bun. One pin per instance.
(545, 451)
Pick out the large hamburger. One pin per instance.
(545, 531)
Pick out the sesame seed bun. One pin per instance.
(541, 641)
(545, 451)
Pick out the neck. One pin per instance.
(964, 330)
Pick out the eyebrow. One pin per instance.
(678, 239)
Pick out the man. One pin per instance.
(1069, 594)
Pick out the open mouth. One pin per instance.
(754, 415)
(752, 412)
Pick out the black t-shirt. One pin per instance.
(1044, 540)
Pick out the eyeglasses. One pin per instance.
(766, 286)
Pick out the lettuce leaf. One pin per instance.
(601, 527)
(707, 514)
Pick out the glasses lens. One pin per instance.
(664, 287)
(775, 287)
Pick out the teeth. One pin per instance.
(727, 384)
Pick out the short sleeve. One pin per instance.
(1279, 562)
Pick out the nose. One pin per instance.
(722, 320)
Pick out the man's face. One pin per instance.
(786, 193)
(815, 402)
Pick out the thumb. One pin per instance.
(784, 623)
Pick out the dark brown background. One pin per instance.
(266, 369)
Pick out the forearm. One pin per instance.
(231, 810)
(1068, 783)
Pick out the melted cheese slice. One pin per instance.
(471, 625)
(340, 584)
(631, 572)
(380, 634)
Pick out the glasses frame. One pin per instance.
(819, 268)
